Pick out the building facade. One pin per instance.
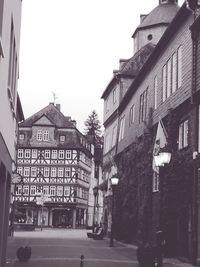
(10, 108)
(166, 91)
(56, 163)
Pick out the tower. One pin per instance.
(153, 25)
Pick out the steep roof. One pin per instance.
(132, 66)
(53, 114)
(162, 14)
(135, 63)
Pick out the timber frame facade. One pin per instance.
(55, 161)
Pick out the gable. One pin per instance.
(43, 121)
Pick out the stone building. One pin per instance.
(10, 108)
(57, 165)
(166, 90)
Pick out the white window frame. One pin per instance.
(46, 171)
(33, 171)
(68, 154)
(39, 135)
(114, 136)
(121, 129)
(26, 171)
(34, 153)
(18, 190)
(59, 191)
(27, 153)
(52, 190)
(61, 154)
(183, 134)
(132, 115)
(60, 172)
(45, 135)
(179, 66)
(174, 72)
(20, 170)
(62, 138)
(45, 190)
(54, 154)
(26, 190)
(164, 83)
(33, 190)
(66, 191)
(155, 92)
(67, 172)
(20, 153)
(47, 154)
(53, 171)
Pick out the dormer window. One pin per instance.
(46, 136)
(21, 137)
(39, 135)
(62, 138)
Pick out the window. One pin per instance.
(20, 153)
(114, 135)
(54, 154)
(34, 153)
(155, 92)
(46, 172)
(27, 153)
(183, 135)
(155, 183)
(179, 67)
(60, 172)
(21, 137)
(107, 105)
(61, 154)
(26, 190)
(59, 191)
(143, 106)
(67, 172)
(18, 190)
(169, 76)
(53, 172)
(114, 95)
(46, 135)
(26, 171)
(107, 143)
(67, 191)
(20, 170)
(121, 128)
(33, 171)
(62, 138)
(33, 190)
(39, 135)
(47, 154)
(132, 115)
(52, 190)
(174, 72)
(164, 83)
(68, 154)
(46, 190)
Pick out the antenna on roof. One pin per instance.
(54, 97)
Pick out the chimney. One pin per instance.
(121, 63)
(58, 106)
(142, 17)
(74, 122)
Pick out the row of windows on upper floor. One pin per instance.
(47, 154)
(43, 135)
(50, 172)
(171, 81)
(60, 191)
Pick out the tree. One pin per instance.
(93, 128)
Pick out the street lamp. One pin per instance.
(114, 183)
(95, 193)
(162, 159)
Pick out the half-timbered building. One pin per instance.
(55, 161)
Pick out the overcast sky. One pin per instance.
(71, 47)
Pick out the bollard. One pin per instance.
(82, 261)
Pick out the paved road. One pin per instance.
(59, 248)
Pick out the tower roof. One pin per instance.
(162, 14)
